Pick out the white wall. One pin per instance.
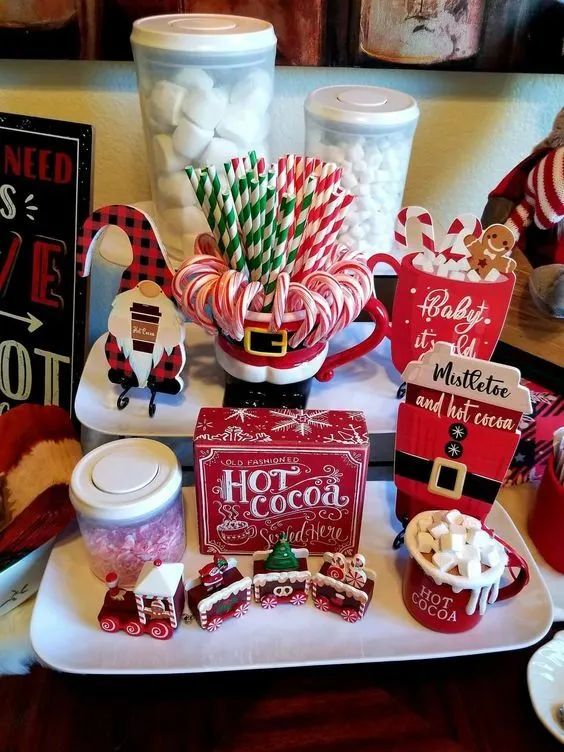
(473, 126)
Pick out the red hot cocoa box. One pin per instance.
(261, 472)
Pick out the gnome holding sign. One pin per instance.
(145, 344)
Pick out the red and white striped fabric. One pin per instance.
(543, 202)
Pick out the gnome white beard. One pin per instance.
(169, 334)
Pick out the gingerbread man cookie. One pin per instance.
(490, 250)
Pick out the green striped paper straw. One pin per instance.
(197, 182)
(269, 224)
(301, 223)
(233, 186)
(234, 251)
(284, 222)
(254, 250)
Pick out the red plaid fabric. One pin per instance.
(149, 262)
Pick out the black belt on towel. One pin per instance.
(447, 477)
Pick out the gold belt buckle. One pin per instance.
(279, 340)
(461, 470)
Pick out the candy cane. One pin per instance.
(242, 306)
(464, 223)
(425, 222)
(279, 301)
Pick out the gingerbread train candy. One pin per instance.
(281, 575)
(343, 586)
(220, 592)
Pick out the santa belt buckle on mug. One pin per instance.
(259, 341)
(455, 492)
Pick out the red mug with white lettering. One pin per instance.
(428, 309)
(447, 602)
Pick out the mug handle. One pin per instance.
(377, 312)
(514, 560)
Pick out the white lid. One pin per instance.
(124, 480)
(203, 32)
(362, 105)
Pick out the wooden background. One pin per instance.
(514, 35)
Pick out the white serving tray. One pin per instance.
(519, 501)
(66, 636)
(368, 384)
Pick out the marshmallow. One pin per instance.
(471, 522)
(490, 555)
(425, 543)
(205, 107)
(444, 560)
(453, 541)
(467, 553)
(193, 78)
(253, 92)
(218, 151)
(189, 219)
(176, 189)
(166, 103)
(438, 530)
(453, 517)
(166, 158)
(478, 538)
(241, 126)
(424, 523)
(469, 568)
(189, 139)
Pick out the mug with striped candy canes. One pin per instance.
(272, 283)
(457, 291)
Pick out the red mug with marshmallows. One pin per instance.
(428, 308)
(448, 602)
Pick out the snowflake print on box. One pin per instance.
(260, 473)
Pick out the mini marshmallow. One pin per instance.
(444, 560)
(193, 77)
(453, 517)
(467, 553)
(176, 190)
(218, 151)
(205, 107)
(452, 541)
(493, 275)
(425, 543)
(457, 275)
(490, 555)
(470, 568)
(355, 153)
(166, 102)
(438, 530)
(253, 92)
(189, 219)
(241, 126)
(189, 139)
(471, 522)
(166, 157)
(424, 523)
(473, 276)
(478, 538)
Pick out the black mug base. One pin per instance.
(240, 393)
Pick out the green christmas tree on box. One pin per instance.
(281, 558)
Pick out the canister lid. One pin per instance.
(203, 32)
(125, 479)
(362, 105)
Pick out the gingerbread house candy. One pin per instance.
(219, 593)
(154, 606)
(343, 586)
(281, 575)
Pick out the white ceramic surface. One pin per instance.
(66, 636)
(21, 580)
(545, 678)
(519, 501)
(354, 384)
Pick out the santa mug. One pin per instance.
(448, 602)
(428, 308)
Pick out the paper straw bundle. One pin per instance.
(275, 228)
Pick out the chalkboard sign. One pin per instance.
(45, 176)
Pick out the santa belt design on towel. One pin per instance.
(464, 482)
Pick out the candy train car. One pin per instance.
(343, 586)
(154, 606)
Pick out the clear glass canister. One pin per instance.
(368, 130)
(128, 499)
(205, 86)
